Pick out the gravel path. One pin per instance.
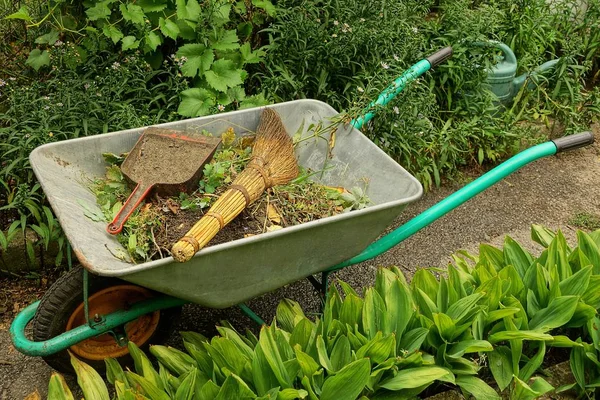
(549, 192)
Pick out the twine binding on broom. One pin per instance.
(273, 163)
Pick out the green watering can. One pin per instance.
(502, 77)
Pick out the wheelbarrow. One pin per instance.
(93, 311)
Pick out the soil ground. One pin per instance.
(549, 192)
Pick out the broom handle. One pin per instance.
(400, 83)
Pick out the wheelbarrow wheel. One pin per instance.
(62, 309)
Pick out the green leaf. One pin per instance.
(90, 382)
(113, 33)
(307, 364)
(416, 377)
(563, 341)
(577, 283)
(533, 364)
(220, 15)
(168, 28)
(130, 43)
(323, 356)
(263, 376)
(412, 340)
(249, 56)
(425, 281)
(269, 347)
(175, 360)
(522, 391)
(340, 355)
(378, 349)
(265, 5)
(153, 40)
(558, 313)
(373, 312)
(348, 383)
(515, 255)
(22, 14)
(541, 235)
(518, 335)
(464, 306)
(58, 388)
(114, 371)
(99, 11)
(143, 366)
(199, 59)
(185, 391)
(476, 387)
(148, 387)
(351, 310)
(38, 58)
(133, 13)
(257, 100)
(469, 346)
(501, 366)
(225, 40)
(152, 5)
(446, 327)
(588, 246)
(577, 362)
(48, 38)
(235, 388)
(223, 74)
(196, 102)
(209, 391)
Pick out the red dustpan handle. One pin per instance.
(134, 200)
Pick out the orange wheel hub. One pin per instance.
(104, 302)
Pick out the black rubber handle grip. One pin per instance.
(440, 56)
(573, 142)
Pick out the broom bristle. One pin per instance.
(273, 163)
(274, 149)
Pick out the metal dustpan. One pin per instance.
(165, 160)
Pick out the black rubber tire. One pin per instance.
(61, 300)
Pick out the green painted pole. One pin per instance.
(391, 91)
(83, 332)
(451, 202)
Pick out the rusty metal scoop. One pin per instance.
(165, 160)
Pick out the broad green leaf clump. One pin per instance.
(484, 327)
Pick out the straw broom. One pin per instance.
(272, 163)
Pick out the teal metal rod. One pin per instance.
(391, 91)
(451, 202)
(83, 332)
(251, 314)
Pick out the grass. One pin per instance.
(586, 220)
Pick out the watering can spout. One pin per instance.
(520, 80)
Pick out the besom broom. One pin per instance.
(272, 163)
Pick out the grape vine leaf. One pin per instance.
(196, 102)
(199, 59)
(168, 28)
(225, 40)
(153, 40)
(133, 13)
(223, 74)
(38, 58)
(113, 33)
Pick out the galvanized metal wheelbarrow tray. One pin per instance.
(231, 273)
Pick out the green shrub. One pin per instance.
(212, 42)
(106, 92)
(489, 321)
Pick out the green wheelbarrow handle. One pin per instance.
(468, 192)
(83, 332)
(400, 83)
